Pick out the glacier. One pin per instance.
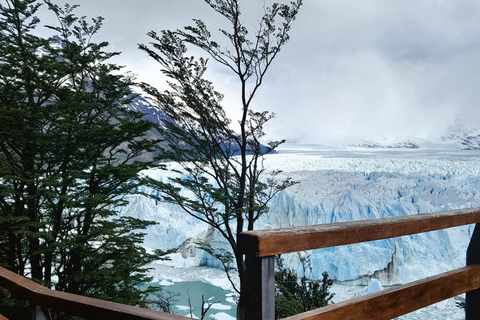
(344, 184)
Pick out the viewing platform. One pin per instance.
(260, 248)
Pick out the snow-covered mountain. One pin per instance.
(466, 138)
(407, 144)
(151, 113)
(346, 185)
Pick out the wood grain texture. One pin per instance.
(279, 241)
(394, 302)
(76, 305)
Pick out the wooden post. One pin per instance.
(36, 313)
(472, 309)
(268, 288)
(258, 301)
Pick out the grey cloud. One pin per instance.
(351, 68)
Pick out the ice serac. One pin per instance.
(347, 186)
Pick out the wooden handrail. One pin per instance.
(260, 247)
(396, 301)
(286, 240)
(72, 304)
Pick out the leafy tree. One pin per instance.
(222, 164)
(296, 294)
(68, 156)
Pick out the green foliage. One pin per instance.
(69, 153)
(12, 308)
(296, 294)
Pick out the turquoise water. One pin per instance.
(190, 294)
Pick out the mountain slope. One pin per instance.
(466, 138)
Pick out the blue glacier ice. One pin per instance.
(345, 185)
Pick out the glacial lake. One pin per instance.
(189, 293)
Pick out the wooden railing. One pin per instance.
(261, 246)
(42, 298)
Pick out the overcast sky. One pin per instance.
(369, 68)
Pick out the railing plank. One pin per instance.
(2, 317)
(279, 241)
(394, 302)
(76, 305)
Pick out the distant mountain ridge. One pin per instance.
(456, 137)
(151, 113)
(466, 138)
(396, 145)
(157, 116)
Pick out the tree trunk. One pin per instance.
(31, 188)
(12, 241)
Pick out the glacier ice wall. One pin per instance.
(346, 186)
(335, 196)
